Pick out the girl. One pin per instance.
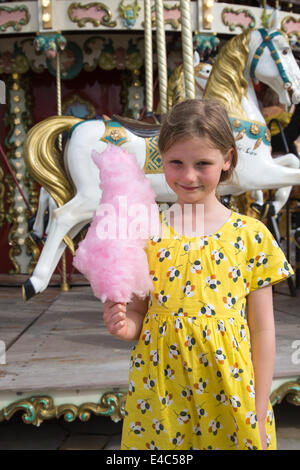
(201, 371)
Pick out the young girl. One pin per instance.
(201, 371)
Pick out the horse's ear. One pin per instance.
(274, 21)
(196, 58)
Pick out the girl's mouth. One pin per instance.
(189, 188)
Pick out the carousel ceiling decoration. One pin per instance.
(95, 13)
(129, 13)
(207, 15)
(13, 18)
(291, 25)
(47, 14)
(77, 53)
(241, 18)
(208, 18)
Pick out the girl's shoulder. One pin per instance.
(247, 222)
(258, 241)
(251, 229)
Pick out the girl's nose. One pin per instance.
(189, 175)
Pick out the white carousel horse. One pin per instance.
(76, 188)
(176, 87)
(176, 93)
(240, 100)
(46, 203)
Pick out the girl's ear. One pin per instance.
(228, 159)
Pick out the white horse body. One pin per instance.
(256, 169)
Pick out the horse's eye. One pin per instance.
(285, 51)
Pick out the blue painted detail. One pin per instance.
(267, 42)
(252, 130)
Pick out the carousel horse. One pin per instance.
(176, 88)
(237, 94)
(74, 186)
(176, 93)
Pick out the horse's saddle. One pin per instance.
(139, 128)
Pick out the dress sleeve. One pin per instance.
(267, 263)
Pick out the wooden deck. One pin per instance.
(57, 347)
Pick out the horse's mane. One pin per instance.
(175, 87)
(227, 83)
(176, 92)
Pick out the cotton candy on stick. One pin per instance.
(112, 256)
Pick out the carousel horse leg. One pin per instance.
(258, 203)
(258, 196)
(38, 227)
(68, 219)
(282, 194)
(270, 208)
(29, 289)
(51, 208)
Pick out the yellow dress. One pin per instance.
(191, 380)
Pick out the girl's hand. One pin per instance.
(263, 435)
(114, 316)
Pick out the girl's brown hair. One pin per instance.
(199, 118)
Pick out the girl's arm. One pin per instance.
(263, 348)
(125, 322)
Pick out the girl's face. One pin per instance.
(193, 168)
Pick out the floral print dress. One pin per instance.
(191, 379)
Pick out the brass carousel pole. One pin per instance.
(148, 58)
(161, 56)
(64, 283)
(187, 48)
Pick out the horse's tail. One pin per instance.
(45, 162)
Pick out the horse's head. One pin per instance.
(271, 61)
(202, 73)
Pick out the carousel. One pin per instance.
(79, 76)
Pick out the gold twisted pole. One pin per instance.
(148, 56)
(187, 48)
(64, 283)
(161, 56)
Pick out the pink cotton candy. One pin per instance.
(117, 267)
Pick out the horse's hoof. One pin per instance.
(297, 237)
(28, 290)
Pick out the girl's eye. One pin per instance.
(202, 163)
(176, 161)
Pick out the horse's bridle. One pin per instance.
(267, 42)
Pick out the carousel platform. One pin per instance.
(59, 359)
